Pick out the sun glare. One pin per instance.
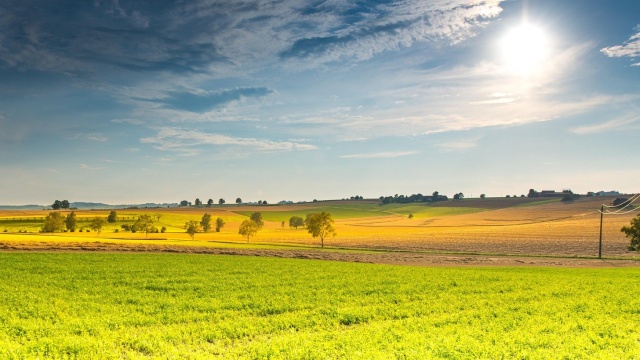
(524, 49)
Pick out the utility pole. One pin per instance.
(601, 217)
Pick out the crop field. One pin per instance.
(516, 226)
(78, 305)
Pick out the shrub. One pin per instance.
(633, 233)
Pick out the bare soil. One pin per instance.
(379, 257)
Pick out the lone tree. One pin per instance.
(57, 205)
(192, 228)
(144, 223)
(238, 201)
(97, 223)
(248, 228)
(184, 203)
(71, 222)
(256, 217)
(209, 202)
(113, 216)
(53, 222)
(206, 222)
(219, 224)
(198, 202)
(320, 225)
(221, 201)
(296, 221)
(633, 233)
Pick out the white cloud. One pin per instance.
(97, 137)
(630, 48)
(380, 155)
(611, 125)
(174, 139)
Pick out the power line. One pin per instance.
(627, 203)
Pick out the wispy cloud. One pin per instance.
(611, 125)
(97, 137)
(128, 121)
(173, 139)
(380, 155)
(459, 145)
(630, 48)
(204, 101)
(204, 37)
(88, 167)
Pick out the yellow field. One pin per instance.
(492, 226)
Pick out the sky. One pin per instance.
(126, 102)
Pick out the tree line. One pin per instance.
(402, 199)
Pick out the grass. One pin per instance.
(194, 306)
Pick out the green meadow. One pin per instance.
(357, 211)
(114, 306)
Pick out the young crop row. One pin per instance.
(195, 306)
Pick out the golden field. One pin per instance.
(488, 226)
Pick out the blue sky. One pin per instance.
(159, 101)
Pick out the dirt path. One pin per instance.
(395, 258)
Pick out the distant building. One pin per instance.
(619, 201)
(608, 193)
(550, 193)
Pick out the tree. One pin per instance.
(219, 224)
(221, 201)
(238, 201)
(410, 216)
(198, 202)
(184, 203)
(264, 202)
(259, 202)
(192, 228)
(458, 196)
(57, 205)
(532, 193)
(144, 223)
(64, 204)
(209, 202)
(71, 222)
(206, 222)
(53, 222)
(633, 233)
(248, 228)
(97, 223)
(296, 221)
(321, 225)
(113, 216)
(482, 196)
(256, 217)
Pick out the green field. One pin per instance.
(355, 211)
(60, 305)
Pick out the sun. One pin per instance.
(524, 49)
